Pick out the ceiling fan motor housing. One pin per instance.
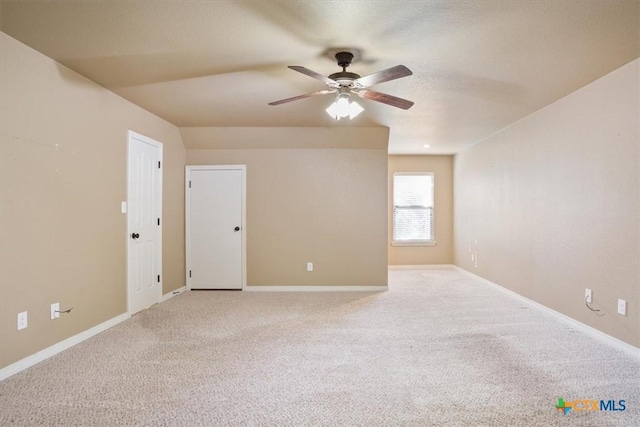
(345, 78)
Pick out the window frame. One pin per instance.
(428, 242)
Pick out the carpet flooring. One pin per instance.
(438, 349)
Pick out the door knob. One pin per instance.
(135, 235)
(236, 229)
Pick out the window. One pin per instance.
(413, 208)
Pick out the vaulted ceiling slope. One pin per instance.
(479, 65)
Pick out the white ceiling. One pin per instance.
(479, 65)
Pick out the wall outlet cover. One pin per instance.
(55, 311)
(587, 295)
(22, 320)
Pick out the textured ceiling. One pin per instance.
(479, 65)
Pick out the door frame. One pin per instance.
(243, 221)
(131, 135)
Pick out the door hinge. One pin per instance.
(189, 273)
(158, 164)
(158, 278)
(158, 221)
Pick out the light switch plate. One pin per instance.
(622, 307)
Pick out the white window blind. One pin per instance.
(413, 208)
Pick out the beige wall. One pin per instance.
(63, 157)
(553, 203)
(442, 252)
(327, 206)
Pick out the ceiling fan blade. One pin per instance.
(385, 99)
(311, 73)
(306, 95)
(384, 76)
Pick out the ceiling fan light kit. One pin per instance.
(342, 108)
(346, 83)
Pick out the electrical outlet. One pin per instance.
(22, 320)
(587, 295)
(622, 307)
(55, 311)
(309, 266)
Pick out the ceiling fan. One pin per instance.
(345, 83)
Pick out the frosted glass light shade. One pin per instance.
(342, 108)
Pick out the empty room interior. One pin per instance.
(320, 212)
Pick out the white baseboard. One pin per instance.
(172, 294)
(38, 357)
(316, 288)
(421, 267)
(634, 351)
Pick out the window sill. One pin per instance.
(431, 243)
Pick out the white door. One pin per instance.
(215, 227)
(144, 205)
